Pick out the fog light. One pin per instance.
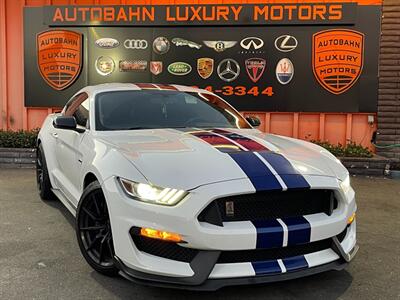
(160, 235)
(351, 219)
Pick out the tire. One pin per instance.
(42, 175)
(93, 230)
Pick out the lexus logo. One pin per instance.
(286, 43)
(135, 44)
(252, 42)
(228, 70)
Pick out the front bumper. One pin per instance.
(204, 272)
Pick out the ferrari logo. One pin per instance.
(338, 58)
(205, 67)
(59, 54)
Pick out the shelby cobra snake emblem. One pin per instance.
(59, 54)
(338, 57)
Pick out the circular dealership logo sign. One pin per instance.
(161, 45)
(228, 70)
(105, 65)
(284, 71)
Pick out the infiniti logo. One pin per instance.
(252, 42)
(286, 43)
(135, 44)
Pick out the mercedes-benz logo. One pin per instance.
(135, 44)
(228, 69)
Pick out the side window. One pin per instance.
(79, 108)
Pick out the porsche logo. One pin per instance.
(205, 67)
(59, 54)
(338, 58)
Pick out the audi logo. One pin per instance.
(135, 44)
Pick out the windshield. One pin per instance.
(147, 109)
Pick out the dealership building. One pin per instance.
(314, 70)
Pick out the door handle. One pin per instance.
(55, 134)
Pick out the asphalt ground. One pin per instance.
(40, 258)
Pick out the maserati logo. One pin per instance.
(286, 43)
(59, 54)
(337, 58)
(255, 68)
(205, 67)
(254, 43)
(136, 44)
(284, 71)
(220, 46)
(107, 43)
(161, 45)
(228, 70)
(156, 67)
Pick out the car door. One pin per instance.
(68, 147)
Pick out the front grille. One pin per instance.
(269, 205)
(164, 249)
(270, 254)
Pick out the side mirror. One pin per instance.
(254, 121)
(66, 122)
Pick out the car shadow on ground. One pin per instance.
(327, 286)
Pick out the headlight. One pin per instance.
(152, 194)
(345, 184)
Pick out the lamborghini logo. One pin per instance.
(59, 54)
(205, 67)
(338, 57)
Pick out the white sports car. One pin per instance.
(171, 186)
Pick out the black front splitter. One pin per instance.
(215, 284)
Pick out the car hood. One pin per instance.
(179, 159)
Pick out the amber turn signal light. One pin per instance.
(161, 235)
(351, 219)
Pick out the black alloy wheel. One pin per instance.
(93, 230)
(42, 175)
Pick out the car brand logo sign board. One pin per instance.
(252, 43)
(156, 67)
(179, 68)
(135, 44)
(286, 43)
(337, 58)
(255, 68)
(284, 71)
(220, 46)
(205, 67)
(105, 65)
(161, 45)
(132, 65)
(228, 69)
(107, 43)
(182, 42)
(59, 54)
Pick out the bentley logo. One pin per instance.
(286, 43)
(105, 65)
(161, 45)
(252, 42)
(156, 67)
(132, 65)
(255, 68)
(284, 71)
(59, 55)
(179, 68)
(337, 58)
(228, 70)
(182, 42)
(205, 67)
(136, 44)
(220, 46)
(107, 43)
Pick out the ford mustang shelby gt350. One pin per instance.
(171, 186)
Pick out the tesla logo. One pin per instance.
(252, 42)
(255, 68)
(59, 57)
(286, 43)
(135, 44)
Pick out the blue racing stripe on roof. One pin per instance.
(266, 267)
(292, 178)
(269, 234)
(260, 176)
(295, 263)
(299, 230)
